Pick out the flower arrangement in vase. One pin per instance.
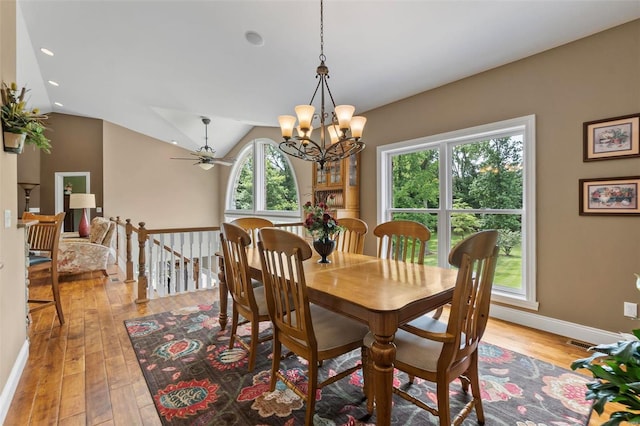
(19, 124)
(323, 227)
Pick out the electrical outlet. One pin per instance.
(630, 310)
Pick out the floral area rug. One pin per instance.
(195, 379)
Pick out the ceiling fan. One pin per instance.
(205, 154)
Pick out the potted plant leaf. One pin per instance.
(616, 368)
(21, 125)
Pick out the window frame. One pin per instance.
(444, 143)
(259, 196)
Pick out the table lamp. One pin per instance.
(84, 202)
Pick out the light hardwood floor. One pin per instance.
(86, 373)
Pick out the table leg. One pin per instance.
(383, 353)
(224, 294)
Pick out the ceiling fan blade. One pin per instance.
(181, 158)
(223, 162)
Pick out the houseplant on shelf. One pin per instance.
(19, 124)
(616, 368)
(323, 227)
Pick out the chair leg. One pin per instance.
(253, 345)
(56, 295)
(275, 363)
(443, 402)
(475, 388)
(312, 387)
(234, 326)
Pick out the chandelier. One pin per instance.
(344, 129)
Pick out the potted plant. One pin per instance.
(616, 368)
(323, 227)
(19, 124)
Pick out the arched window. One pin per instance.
(263, 184)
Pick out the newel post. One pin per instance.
(129, 262)
(142, 276)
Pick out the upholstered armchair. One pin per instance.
(77, 255)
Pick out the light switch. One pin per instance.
(7, 218)
(98, 209)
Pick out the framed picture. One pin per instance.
(612, 138)
(610, 196)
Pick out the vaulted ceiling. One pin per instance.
(157, 66)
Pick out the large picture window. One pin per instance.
(262, 183)
(465, 181)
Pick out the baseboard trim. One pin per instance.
(552, 325)
(10, 387)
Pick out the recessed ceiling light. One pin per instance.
(175, 142)
(46, 51)
(53, 83)
(254, 38)
(58, 104)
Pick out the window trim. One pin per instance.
(444, 143)
(259, 198)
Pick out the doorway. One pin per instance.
(67, 183)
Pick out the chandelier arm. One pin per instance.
(315, 91)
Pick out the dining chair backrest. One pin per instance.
(44, 236)
(251, 225)
(477, 257)
(403, 240)
(234, 241)
(281, 256)
(351, 239)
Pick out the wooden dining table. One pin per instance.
(382, 293)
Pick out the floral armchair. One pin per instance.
(77, 255)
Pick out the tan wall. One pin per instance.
(142, 183)
(76, 147)
(13, 333)
(585, 265)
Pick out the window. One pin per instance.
(465, 181)
(263, 184)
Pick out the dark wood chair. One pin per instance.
(248, 301)
(351, 240)
(441, 352)
(43, 238)
(308, 330)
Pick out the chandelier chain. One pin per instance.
(322, 57)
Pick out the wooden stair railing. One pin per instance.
(179, 263)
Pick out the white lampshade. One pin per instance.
(287, 123)
(357, 126)
(305, 115)
(82, 201)
(344, 114)
(205, 166)
(333, 133)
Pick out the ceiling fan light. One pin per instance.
(205, 166)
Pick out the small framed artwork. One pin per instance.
(612, 138)
(610, 196)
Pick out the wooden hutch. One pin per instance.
(338, 185)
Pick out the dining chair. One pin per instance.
(440, 352)
(351, 239)
(43, 239)
(403, 240)
(251, 225)
(306, 329)
(248, 301)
